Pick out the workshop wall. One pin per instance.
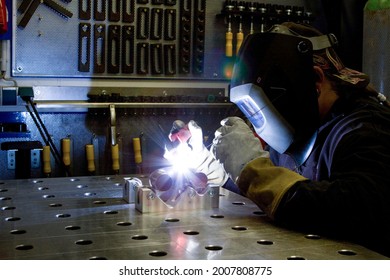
(157, 61)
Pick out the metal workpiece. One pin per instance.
(85, 218)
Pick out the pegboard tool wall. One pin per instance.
(154, 39)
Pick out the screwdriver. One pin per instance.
(90, 154)
(229, 34)
(240, 33)
(46, 160)
(252, 9)
(137, 154)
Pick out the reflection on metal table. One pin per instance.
(86, 218)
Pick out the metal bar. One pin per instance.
(85, 104)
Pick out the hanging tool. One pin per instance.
(66, 148)
(90, 155)
(114, 142)
(138, 154)
(28, 8)
(263, 13)
(240, 33)
(46, 159)
(252, 10)
(27, 95)
(229, 34)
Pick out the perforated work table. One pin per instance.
(86, 218)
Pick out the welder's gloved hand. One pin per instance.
(235, 144)
(192, 153)
(202, 159)
(266, 184)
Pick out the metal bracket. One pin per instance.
(11, 161)
(35, 158)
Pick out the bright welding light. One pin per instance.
(181, 158)
(178, 157)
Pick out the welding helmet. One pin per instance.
(273, 84)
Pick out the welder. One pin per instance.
(324, 167)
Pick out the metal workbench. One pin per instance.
(86, 218)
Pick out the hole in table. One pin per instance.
(82, 186)
(123, 224)
(72, 227)
(84, 242)
(8, 208)
(158, 253)
(110, 212)
(239, 228)
(213, 248)
(18, 231)
(346, 252)
(37, 181)
(5, 198)
(55, 205)
(89, 194)
(139, 237)
(48, 196)
(74, 179)
(12, 219)
(42, 188)
(312, 236)
(238, 203)
(217, 216)
(191, 232)
(172, 220)
(265, 242)
(3, 190)
(97, 258)
(99, 202)
(259, 213)
(63, 215)
(296, 258)
(24, 247)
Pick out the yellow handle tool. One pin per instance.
(137, 150)
(115, 158)
(65, 145)
(229, 39)
(46, 160)
(239, 38)
(90, 154)
(229, 44)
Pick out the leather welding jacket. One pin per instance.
(345, 192)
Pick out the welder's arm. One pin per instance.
(235, 145)
(266, 184)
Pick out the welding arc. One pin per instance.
(45, 135)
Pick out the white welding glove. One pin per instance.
(202, 159)
(194, 155)
(235, 144)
